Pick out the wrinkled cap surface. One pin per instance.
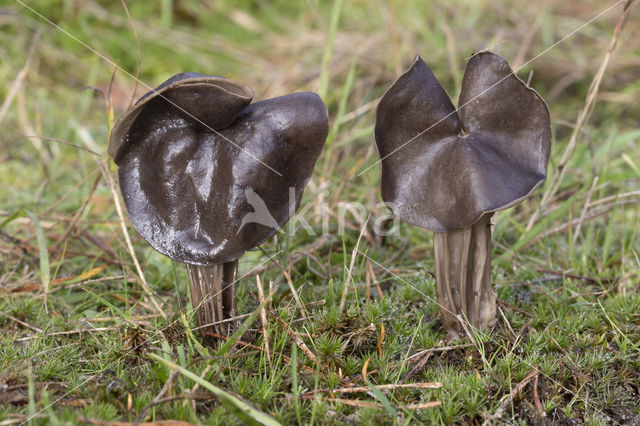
(443, 169)
(189, 156)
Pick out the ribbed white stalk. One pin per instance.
(463, 275)
(213, 295)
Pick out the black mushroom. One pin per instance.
(449, 170)
(206, 175)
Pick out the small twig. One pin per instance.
(165, 388)
(374, 279)
(381, 339)
(368, 404)
(615, 198)
(96, 280)
(296, 338)
(417, 355)
(354, 402)
(355, 389)
(134, 319)
(26, 385)
(417, 367)
(22, 419)
(294, 292)
(599, 294)
(513, 308)
(506, 321)
(421, 405)
(585, 207)
(83, 419)
(60, 141)
(362, 109)
(536, 397)
(66, 333)
(115, 259)
(55, 284)
(32, 327)
(263, 318)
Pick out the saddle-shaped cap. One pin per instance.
(444, 168)
(195, 157)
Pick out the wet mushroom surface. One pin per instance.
(448, 170)
(207, 175)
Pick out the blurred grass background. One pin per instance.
(569, 328)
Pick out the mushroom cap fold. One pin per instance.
(210, 101)
(193, 183)
(444, 168)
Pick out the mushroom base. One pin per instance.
(213, 296)
(463, 276)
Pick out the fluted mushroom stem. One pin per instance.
(213, 295)
(463, 276)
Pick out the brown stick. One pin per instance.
(355, 389)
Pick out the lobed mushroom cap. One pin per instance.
(201, 98)
(193, 159)
(444, 168)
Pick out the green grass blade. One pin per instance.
(105, 302)
(246, 413)
(384, 401)
(14, 216)
(32, 394)
(631, 163)
(166, 13)
(342, 106)
(328, 49)
(294, 381)
(192, 338)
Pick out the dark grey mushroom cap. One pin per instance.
(207, 100)
(443, 169)
(194, 188)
